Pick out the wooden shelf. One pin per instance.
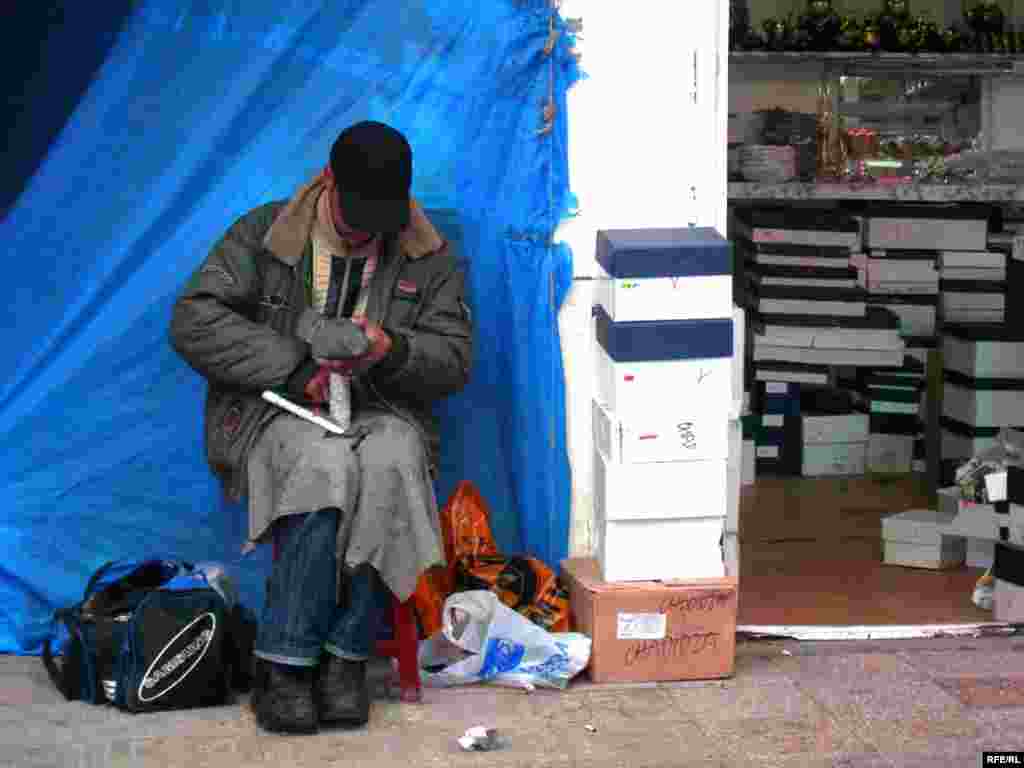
(905, 192)
(900, 63)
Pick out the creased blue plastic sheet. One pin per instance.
(202, 111)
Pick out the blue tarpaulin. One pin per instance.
(201, 111)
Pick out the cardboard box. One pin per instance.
(651, 631)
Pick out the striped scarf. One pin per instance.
(326, 245)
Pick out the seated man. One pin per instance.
(350, 277)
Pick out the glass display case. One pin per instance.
(890, 125)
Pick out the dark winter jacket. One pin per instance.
(235, 324)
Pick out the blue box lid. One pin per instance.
(681, 252)
(652, 340)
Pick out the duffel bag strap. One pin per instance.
(67, 676)
(94, 579)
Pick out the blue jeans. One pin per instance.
(301, 615)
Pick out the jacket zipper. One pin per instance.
(378, 319)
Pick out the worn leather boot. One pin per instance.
(342, 692)
(282, 698)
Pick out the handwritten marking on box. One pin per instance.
(703, 602)
(642, 626)
(687, 438)
(675, 647)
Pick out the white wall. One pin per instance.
(642, 153)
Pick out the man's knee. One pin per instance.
(393, 443)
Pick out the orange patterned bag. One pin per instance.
(524, 584)
(432, 589)
(466, 535)
(465, 526)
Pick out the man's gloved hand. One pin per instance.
(379, 343)
(332, 339)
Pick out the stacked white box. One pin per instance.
(834, 444)
(700, 297)
(640, 389)
(918, 538)
(983, 387)
(660, 521)
(665, 392)
(735, 475)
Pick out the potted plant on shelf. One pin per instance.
(739, 23)
(820, 25)
(778, 34)
(851, 34)
(986, 21)
(894, 25)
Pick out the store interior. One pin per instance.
(833, 115)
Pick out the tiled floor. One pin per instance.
(811, 553)
(859, 705)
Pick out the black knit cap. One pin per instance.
(373, 164)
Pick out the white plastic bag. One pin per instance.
(984, 591)
(485, 641)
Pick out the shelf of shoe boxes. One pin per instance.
(659, 600)
(825, 291)
(982, 353)
(838, 357)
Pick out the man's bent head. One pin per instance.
(371, 173)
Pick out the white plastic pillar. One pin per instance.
(647, 148)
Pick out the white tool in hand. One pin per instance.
(305, 413)
(341, 400)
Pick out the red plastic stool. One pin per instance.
(403, 646)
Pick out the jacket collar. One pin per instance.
(288, 235)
